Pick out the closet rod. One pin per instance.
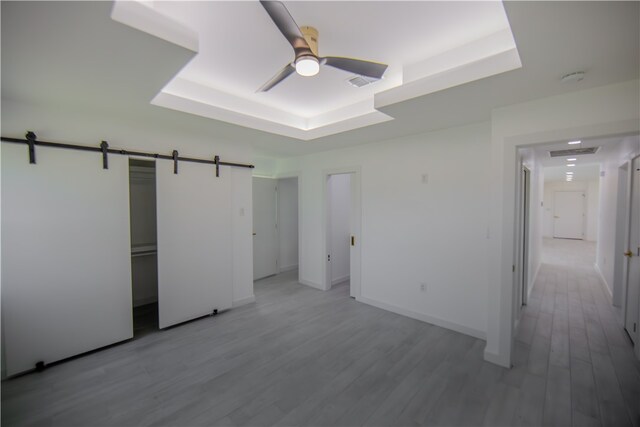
(101, 149)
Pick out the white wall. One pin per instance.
(606, 251)
(604, 110)
(287, 224)
(591, 191)
(411, 231)
(339, 194)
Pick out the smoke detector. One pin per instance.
(572, 77)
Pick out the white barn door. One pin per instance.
(194, 241)
(66, 266)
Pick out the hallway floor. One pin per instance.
(300, 356)
(572, 357)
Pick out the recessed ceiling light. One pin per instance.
(572, 160)
(570, 165)
(574, 142)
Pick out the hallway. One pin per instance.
(572, 357)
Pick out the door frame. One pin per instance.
(356, 227)
(524, 221)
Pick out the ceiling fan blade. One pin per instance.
(357, 66)
(287, 26)
(282, 74)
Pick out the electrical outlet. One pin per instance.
(423, 287)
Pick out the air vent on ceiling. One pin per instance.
(359, 81)
(574, 152)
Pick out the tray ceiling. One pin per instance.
(429, 46)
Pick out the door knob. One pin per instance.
(556, 216)
(629, 254)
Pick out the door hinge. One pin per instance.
(513, 268)
(328, 257)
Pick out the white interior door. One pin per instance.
(265, 243)
(568, 214)
(66, 266)
(633, 255)
(194, 241)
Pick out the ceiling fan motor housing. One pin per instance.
(310, 34)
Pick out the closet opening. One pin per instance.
(144, 254)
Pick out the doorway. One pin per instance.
(275, 226)
(342, 230)
(287, 223)
(144, 259)
(568, 215)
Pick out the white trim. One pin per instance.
(287, 268)
(604, 282)
(311, 284)
(496, 359)
(476, 333)
(243, 301)
(339, 280)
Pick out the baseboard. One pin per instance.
(604, 282)
(311, 284)
(425, 318)
(340, 280)
(144, 301)
(288, 268)
(243, 301)
(494, 358)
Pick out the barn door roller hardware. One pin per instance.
(31, 142)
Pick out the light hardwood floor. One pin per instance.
(299, 356)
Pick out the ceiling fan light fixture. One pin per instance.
(307, 66)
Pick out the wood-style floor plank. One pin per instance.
(299, 356)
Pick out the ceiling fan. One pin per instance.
(304, 41)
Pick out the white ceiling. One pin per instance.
(73, 56)
(587, 166)
(239, 48)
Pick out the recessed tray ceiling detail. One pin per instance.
(429, 46)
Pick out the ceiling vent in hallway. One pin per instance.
(574, 152)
